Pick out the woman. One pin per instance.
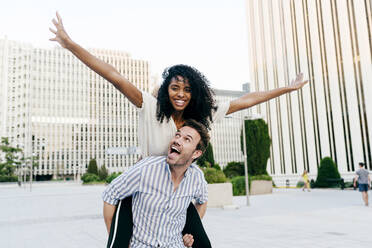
(184, 93)
(305, 177)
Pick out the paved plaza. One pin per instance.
(70, 215)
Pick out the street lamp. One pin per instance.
(250, 117)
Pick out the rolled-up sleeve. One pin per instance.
(123, 186)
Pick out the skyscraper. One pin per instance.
(56, 108)
(330, 42)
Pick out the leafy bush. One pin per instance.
(300, 184)
(6, 178)
(238, 183)
(349, 184)
(206, 157)
(89, 178)
(234, 169)
(213, 175)
(92, 167)
(102, 173)
(258, 146)
(327, 174)
(112, 176)
(217, 167)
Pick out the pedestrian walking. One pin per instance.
(305, 177)
(364, 181)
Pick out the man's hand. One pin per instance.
(188, 240)
(61, 35)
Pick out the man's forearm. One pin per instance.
(108, 214)
(202, 208)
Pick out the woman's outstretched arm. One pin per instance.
(254, 98)
(102, 68)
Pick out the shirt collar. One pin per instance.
(187, 173)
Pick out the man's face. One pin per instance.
(182, 149)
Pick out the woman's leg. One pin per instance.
(122, 225)
(195, 227)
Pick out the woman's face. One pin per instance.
(179, 91)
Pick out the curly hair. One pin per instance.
(202, 101)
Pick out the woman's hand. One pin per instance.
(61, 35)
(188, 240)
(298, 83)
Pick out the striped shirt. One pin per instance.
(159, 212)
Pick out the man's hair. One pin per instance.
(202, 102)
(203, 132)
(361, 164)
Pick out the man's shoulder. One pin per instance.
(196, 171)
(151, 160)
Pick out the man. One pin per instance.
(364, 182)
(162, 188)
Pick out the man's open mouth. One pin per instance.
(174, 150)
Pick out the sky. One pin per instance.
(210, 35)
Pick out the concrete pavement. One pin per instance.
(70, 215)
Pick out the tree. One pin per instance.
(258, 146)
(92, 167)
(234, 169)
(102, 173)
(207, 159)
(10, 159)
(328, 174)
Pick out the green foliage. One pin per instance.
(89, 178)
(11, 158)
(217, 167)
(328, 174)
(92, 167)
(300, 184)
(349, 184)
(5, 178)
(258, 146)
(234, 169)
(213, 175)
(102, 173)
(238, 182)
(207, 159)
(112, 176)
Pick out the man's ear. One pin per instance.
(196, 154)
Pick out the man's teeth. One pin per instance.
(175, 149)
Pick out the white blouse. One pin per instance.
(153, 136)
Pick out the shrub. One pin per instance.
(234, 169)
(89, 178)
(6, 178)
(102, 173)
(239, 183)
(112, 176)
(258, 146)
(206, 157)
(92, 167)
(300, 184)
(327, 173)
(217, 167)
(212, 175)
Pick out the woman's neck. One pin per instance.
(178, 119)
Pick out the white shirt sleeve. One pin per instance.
(221, 111)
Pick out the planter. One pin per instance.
(259, 187)
(220, 195)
